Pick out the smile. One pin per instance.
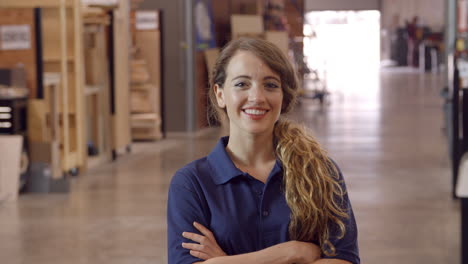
(255, 112)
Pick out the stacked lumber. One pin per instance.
(145, 98)
(145, 122)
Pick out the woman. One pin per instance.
(267, 193)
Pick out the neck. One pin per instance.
(251, 150)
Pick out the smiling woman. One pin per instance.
(267, 193)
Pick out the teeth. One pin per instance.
(255, 112)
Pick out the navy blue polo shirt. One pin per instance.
(244, 214)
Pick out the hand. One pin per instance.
(305, 252)
(207, 247)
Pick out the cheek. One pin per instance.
(232, 100)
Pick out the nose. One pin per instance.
(256, 94)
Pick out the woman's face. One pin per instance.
(252, 95)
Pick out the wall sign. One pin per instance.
(15, 37)
(147, 20)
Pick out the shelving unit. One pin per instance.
(62, 52)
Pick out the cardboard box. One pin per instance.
(280, 39)
(246, 25)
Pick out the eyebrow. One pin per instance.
(248, 77)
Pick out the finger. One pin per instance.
(193, 246)
(199, 254)
(203, 229)
(194, 237)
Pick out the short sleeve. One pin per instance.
(347, 247)
(184, 206)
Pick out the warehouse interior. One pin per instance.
(102, 101)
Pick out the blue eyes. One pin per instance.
(267, 85)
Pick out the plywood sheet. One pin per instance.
(26, 57)
(121, 117)
(10, 167)
(51, 34)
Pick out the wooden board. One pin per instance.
(121, 117)
(34, 3)
(27, 57)
(10, 167)
(51, 35)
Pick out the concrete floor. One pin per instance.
(385, 131)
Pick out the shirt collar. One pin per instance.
(224, 168)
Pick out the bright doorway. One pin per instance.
(343, 48)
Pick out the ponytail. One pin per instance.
(311, 185)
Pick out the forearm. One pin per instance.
(277, 254)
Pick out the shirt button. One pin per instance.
(260, 193)
(265, 213)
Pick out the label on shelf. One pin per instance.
(15, 37)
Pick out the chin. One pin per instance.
(258, 130)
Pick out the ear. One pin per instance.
(219, 92)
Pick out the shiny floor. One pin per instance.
(385, 130)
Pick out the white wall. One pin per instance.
(320, 5)
(430, 12)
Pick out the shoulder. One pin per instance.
(334, 165)
(191, 174)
